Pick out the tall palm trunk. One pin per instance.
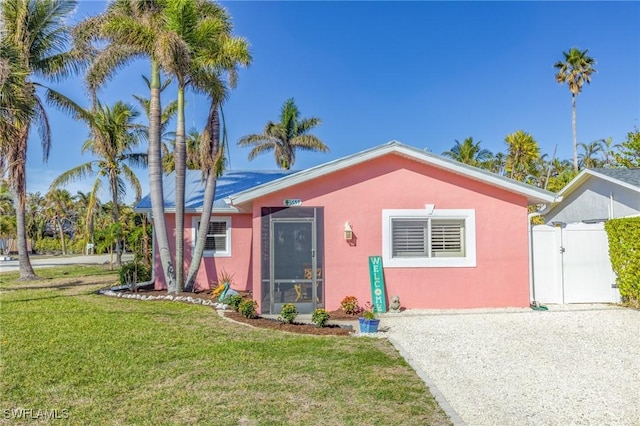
(180, 171)
(575, 133)
(155, 180)
(115, 215)
(17, 171)
(212, 131)
(63, 243)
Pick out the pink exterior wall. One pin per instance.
(239, 264)
(359, 194)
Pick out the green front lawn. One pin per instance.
(114, 361)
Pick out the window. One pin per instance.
(218, 241)
(423, 238)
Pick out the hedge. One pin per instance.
(624, 252)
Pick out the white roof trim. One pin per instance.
(215, 210)
(538, 196)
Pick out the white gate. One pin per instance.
(571, 264)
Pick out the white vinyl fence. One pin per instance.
(571, 264)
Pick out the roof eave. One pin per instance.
(533, 195)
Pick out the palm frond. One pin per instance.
(77, 173)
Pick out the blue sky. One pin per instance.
(423, 73)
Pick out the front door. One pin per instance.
(294, 264)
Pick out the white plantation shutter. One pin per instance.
(447, 238)
(409, 238)
(427, 238)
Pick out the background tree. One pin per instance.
(590, 157)
(36, 34)
(7, 216)
(522, 153)
(113, 137)
(575, 70)
(57, 207)
(629, 154)
(87, 205)
(469, 152)
(36, 220)
(285, 137)
(609, 150)
(495, 163)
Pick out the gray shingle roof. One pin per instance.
(629, 176)
(231, 182)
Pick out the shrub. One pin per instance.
(133, 272)
(288, 313)
(350, 305)
(248, 308)
(320, 317)
(624, 252)
(234, 301)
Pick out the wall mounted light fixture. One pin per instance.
(348, 232)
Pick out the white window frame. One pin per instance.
(466, 261)
(213, 253)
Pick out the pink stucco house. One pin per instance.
(450, 235)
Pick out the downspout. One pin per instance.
(533, 302)
(611, 216)
(153, 265)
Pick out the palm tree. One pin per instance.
(522, 153)
(575, 70)
(57, 205)
(127, 30)
(36, 35)
(560, 173)
(285, 137)
(114, 136)
(469, 153)
(202, 45)
(192, 142)
(216, 56)
(589, 157)
(495, 163)
(36, 221)
(87, 208)
(609, 151)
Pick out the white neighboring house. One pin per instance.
(571, 252)
(596, 195)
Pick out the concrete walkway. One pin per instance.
(49, 261)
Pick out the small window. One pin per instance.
(218, 241)
(414, 238)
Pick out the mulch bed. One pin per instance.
(331, 330)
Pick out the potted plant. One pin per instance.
(368, 321)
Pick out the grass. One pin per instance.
(113, 361)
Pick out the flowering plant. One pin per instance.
(368, 311)
(320, 317)
(350, 305)
(288, 313)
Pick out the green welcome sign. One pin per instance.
(378, 297)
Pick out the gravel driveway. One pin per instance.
(571, 365)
